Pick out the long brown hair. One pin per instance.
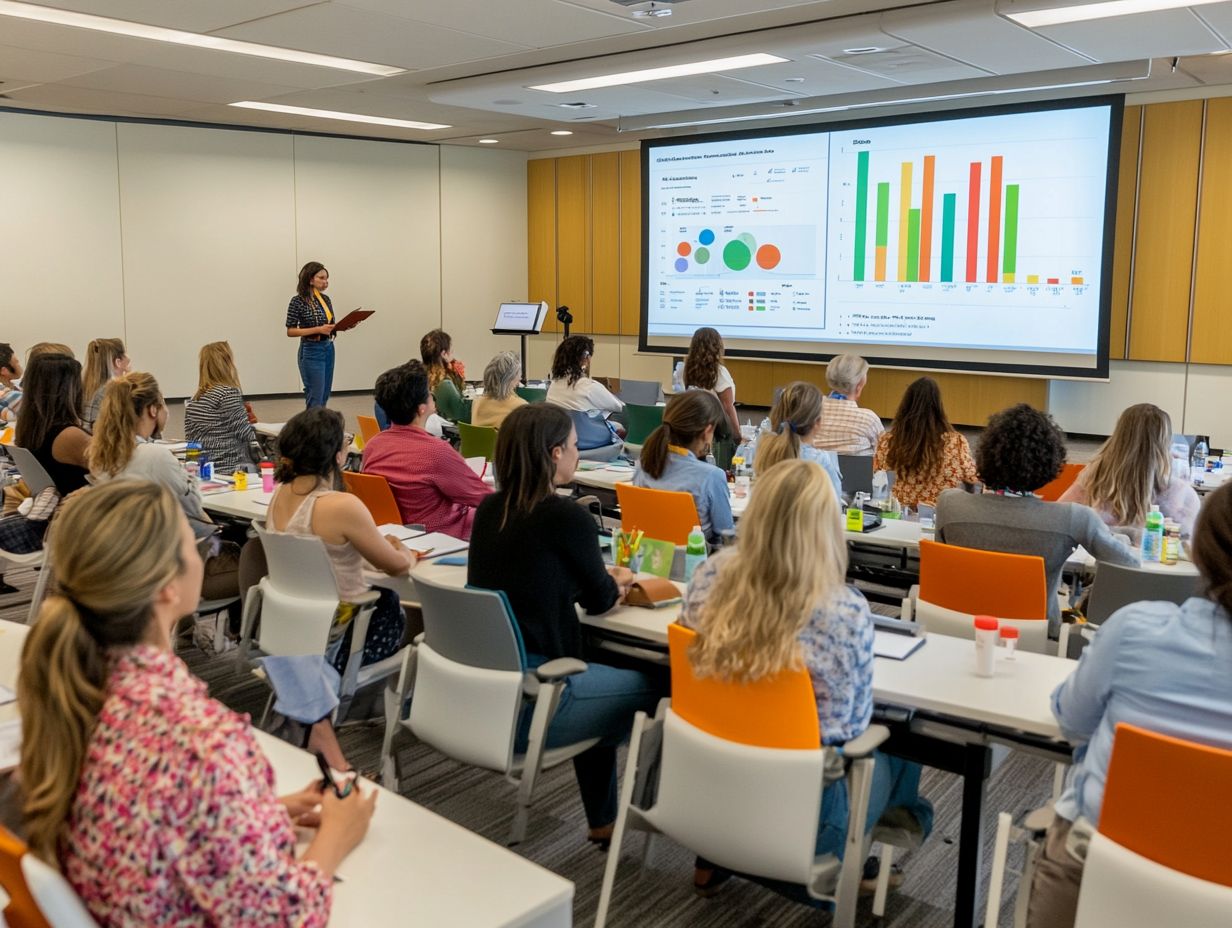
(701, 364)
(917, 436)
(303, 285)
(431, 348)
(101, 355)
(1132, 466)
(794, 414)
(523, 459)
(125, 401)
(105, 589)
(51, 399)
(216, 368)
(686, 417)
(1212, 546)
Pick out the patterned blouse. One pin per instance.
(175, 821)
(836, 644)
(957, 468)
(308, 314)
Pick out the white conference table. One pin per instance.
(414, 867)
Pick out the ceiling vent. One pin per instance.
(627, 3)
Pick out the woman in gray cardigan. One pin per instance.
(1021, 450)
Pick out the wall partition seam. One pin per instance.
(1133, 247)
(1193, 269)
(115, 127)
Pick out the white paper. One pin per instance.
(6, 695)
(437, 544)
(10, 744)
(894, 646)
(401, 532)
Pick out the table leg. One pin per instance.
(977, 764)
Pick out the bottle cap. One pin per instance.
(986, 623)
(1009, 632)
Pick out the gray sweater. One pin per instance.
(1027, 525)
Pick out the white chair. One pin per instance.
(471, 687)
(38, 896)
(36, 478)
(296, 604)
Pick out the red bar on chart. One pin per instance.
(994, 218)
(973, 220)
(926, 216)
(1054, 280)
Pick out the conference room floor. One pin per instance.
(482, 802)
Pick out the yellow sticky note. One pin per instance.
(855, 520)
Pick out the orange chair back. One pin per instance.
(1009, 586)
(22, 911)
(374, 492)
(775, 712)
(368, 427)
(1052, 491)
(1166, 800)
(665, 515)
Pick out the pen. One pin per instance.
(328, 781)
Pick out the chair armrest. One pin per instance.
(559, 669)
(865, 744)
(418, 639)
(368, 598)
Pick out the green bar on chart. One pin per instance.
(883, 230)
(1009, 264)
(913, 245)
(947, 237)
(861, 214)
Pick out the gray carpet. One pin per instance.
(483, 802)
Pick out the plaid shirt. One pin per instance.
(847, 428)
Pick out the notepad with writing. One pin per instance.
(895, 647)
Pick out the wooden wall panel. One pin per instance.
(541, 234)
(1167, 212)
(605, 243)
(1211, 342)
(573, 241)
(1123, 243)
(630, 242)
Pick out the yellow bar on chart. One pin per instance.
(1033, 278)
(904, 215)
(1007, 278)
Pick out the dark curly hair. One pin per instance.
(569, 362)
(1212, 542)
(1021, 450)
(401, 391)
(309, 444)
(701, 364)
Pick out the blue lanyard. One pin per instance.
(835, 395)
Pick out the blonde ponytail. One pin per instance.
(115, 431)
(794, 414)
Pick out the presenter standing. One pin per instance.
(310, 318)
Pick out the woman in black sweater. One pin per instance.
(542, 552)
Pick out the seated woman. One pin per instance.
(305, 502)
(217, 417)
(500, 377)
(436, 352)
(542, 551)
(106, 359)
(703, 369)
(117, 731)
(1021, 450)
(796, 422)
(923, 450)
(133, 410)
(572, 386)
(1133, 471)
(672, 459)
(778, 600)
(1156, 665)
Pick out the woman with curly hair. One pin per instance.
(1021, 450)
(925, 452)
(703, 369)
(572, 386)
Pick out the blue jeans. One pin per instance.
(896, 784)
(316, 370)
(599, 703)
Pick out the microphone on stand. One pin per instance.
(564, 317)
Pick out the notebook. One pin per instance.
(401, 532)
(895, 647)
(434, 544)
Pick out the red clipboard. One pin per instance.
(352, 319)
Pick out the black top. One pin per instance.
(308, 314)
(544, 562)
(67, 477)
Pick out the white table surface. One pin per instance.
(241, 504)
(414, 867)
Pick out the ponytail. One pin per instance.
(783, 445)
(125, 399)
(795, 412)
(685, 418)
(654, 451)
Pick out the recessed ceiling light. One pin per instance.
(1037, 13)
(793, 80)
(863, 50)
(45, 14)
(711, 66)
(561, 132)
(576, 106)
(652, 10)
(333, 114)
(489, 141)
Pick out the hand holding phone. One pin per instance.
(328, 782)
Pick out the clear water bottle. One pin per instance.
(1153, 536)
(1197, 463)
(881, 489)
(694, 552)
(710, 459)
(1180, 461)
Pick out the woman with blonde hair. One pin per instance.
(125, 756)
(500, 378)
(1133, 471)
(703, 369)
(795, 422)
(133, 410)
(777, 600)
(106, 359)
(217, 417)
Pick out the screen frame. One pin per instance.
(1116, 105)
(540, 317)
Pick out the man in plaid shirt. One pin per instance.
(846, 427)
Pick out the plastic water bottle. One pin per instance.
(694, 552)
(710, 459)
(1153, 536)
(1180, 461)
(881, 489)
(1198, 462)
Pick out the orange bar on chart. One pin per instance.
(1076, 281)
(879, 262)
(926, 217)
(994, 217)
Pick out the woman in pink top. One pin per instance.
(153, 798)
(1132, 471)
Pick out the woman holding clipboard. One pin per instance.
(310, 318)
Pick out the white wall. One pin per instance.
(173, 236)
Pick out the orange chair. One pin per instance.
(34, 888)
(374, 492)
(1052, 491)
(368, 427)
(958, 583)
(665, 515)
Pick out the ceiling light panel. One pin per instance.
(1148, 35)
(191, 17)
(338, 116)
(1033, 13)
(622, 78)
(28, 11)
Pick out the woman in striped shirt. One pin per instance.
(217, 417)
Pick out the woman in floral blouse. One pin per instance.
(778, 600)
(154, 799)
(922, 448)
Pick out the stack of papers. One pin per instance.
(894, 646)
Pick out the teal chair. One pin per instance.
(450, 404)
(640, 422)
(477, 441)
(532, 394)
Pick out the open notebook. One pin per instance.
(895, 646)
